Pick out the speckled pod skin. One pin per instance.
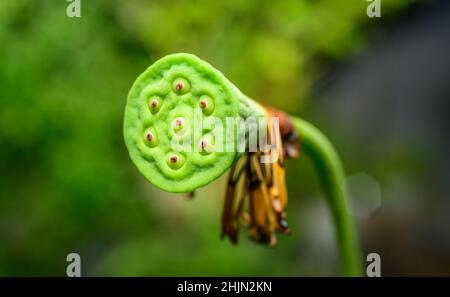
(161, 102)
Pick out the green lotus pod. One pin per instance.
(161, 103)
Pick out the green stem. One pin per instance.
(331, 172)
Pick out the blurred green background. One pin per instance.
(68, 185)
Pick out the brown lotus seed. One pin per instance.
(175, 160)
(179, 86)
(150, 138)
(154, 103)
(206, 104)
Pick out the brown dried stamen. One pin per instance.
(263, 186)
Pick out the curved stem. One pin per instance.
(331, 173)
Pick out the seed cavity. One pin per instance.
(175, 160)
(178, 125)
(205, 146)
(155, 104)
(181, 86)
(206, 104)
(150, 138)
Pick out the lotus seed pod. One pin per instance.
(165, 104)
(163, 108)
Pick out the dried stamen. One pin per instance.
(266, 188)
(276, 203)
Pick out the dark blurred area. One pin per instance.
(378, 87)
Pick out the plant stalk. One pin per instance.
(331, 172)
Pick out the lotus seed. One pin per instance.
(150, 138)
(175, 160)
(204, 146)
(181, 86)
(155, 104)
(206, 104)
(178, 124)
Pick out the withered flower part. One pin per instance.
(256, 195)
